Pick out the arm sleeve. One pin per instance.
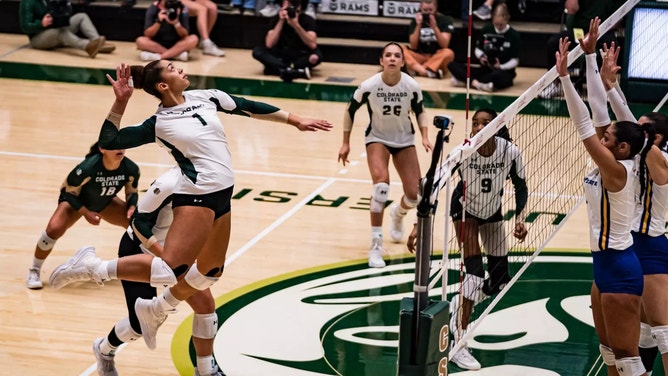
(359, 98)
(31, 23)
(131, 187)
(158, 195)
(234, 105)
(510, 64)
(596, 93)
(112, 138)
(577, 109)
(520, 185)
(417, 100)
(76, 179)
(619, 106)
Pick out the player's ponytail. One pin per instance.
(94, 149)
(147, 77)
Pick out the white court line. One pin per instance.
(150, 164)
(89, 371)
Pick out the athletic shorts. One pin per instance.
(652, 251)
(393, 150)
(220, 202)
(456, 214)
(618, 271)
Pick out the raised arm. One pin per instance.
(609, 71)
(595, 90)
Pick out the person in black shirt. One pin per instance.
(290, 48)
(166, 32)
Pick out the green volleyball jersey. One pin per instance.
(91, 185)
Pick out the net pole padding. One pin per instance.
(474, 325)
(446, 250)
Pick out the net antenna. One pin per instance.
(554, 179)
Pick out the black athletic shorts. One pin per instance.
(220, 202)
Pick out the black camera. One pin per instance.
(492, 46)
(60, 11)
(425, 19)
(443, 122)
(173, 6)
(292, 11)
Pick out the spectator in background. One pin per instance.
(498, 50)
(166, 32)
(206, 12)
(271, 9)
(290, 49)
(245, 7)
(429, 36)
(578, 15)
(50, 24)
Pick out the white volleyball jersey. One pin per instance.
(651, 208)
(197, 140)
(610, 213)
(154, 210)
(485, 177)
(389, 109)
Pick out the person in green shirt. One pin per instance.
(89, 191)
(427, 53)
(50, 24)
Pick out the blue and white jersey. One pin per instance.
(389, 109)
(610, 213)
(651, 208)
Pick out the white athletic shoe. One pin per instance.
(211, 49)
(183, 56)
(454, 307)
(79, 267)
(488, 87)
(465, 360)
(456, 83)
(397, 226)
(270, 10)
(149, 56)
(216, 372)
(33, 281)
(150, 315)
(105, 363)
(376, 254)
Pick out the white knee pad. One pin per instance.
(410, 204)
(631, 366)
(379, 197)
(124, 331)
(197, 280)
(607, 355)
(472, 287)
(45, 243)
(646, 340)
(660, 336)
(161, 274)
(493, 238)
(205, 325)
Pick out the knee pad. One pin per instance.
(472, 287)
(646, 339)
(607, 355)
(473, 265)
(125, 332)
(161, 274)
(660, 336)
(197, 280)
(45, 243)
(410, 204)
(498, 274)
(205, 325)
(631, 366)
(379, 197)
(493, 239)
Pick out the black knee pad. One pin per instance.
(180, 270)
(214, 271)
(648, 356)
(474, 266)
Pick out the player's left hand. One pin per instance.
(520, 231)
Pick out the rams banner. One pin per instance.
(405, 9)
(357, 7)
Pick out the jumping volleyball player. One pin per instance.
(146, 235)
(390, 97)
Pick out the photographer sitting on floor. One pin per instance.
(290, 48)
(498, 50)
(50, 24)
(428, 53)
(166, 32)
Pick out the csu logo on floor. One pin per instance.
(343, 319)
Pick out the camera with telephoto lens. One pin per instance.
(425, 19)
(443, 122)
(292, 11)
(60, 11)
(173, 7)
(492, 46)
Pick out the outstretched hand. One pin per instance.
(588, 44)
(313, 125)
(562, 57)
(609, 68)
(122, 85)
